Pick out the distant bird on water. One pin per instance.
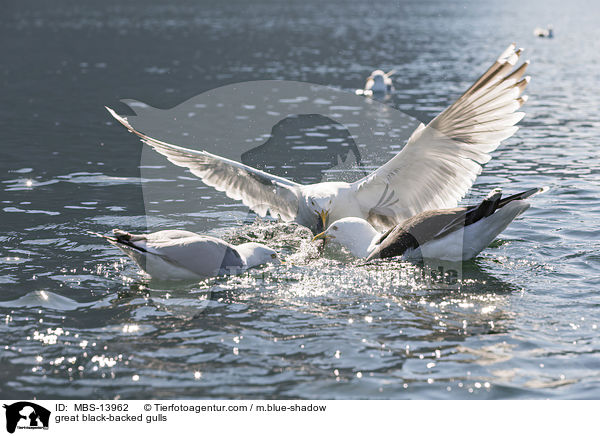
(544, 33)
(183, 255)
(448, 234)
(434, 170)
(378, 83)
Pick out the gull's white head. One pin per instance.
(321, 206)
(257, 254)
(356, 234)
(379, 81)
(377, 73)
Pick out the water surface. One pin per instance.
(79, 321)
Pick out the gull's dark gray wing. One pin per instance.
(436, 224)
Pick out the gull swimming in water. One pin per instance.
(378, 83)
(544, 33)
(183, 255)
(434, 170)
(447, 234)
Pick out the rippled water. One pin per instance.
(79, 321)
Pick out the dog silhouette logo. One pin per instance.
(26, 415)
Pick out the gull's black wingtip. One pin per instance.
(523, 195)
(100, 235)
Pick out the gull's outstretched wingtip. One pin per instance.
(110, 111)
(113, 113)
(120, 119)
(510, 55)
(116, 116)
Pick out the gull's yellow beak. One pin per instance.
(321, 235)
(324, 216)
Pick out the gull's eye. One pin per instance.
(334, 228)
(273, 256)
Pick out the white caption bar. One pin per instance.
(247, 417)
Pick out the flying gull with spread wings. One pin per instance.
(434, 170)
